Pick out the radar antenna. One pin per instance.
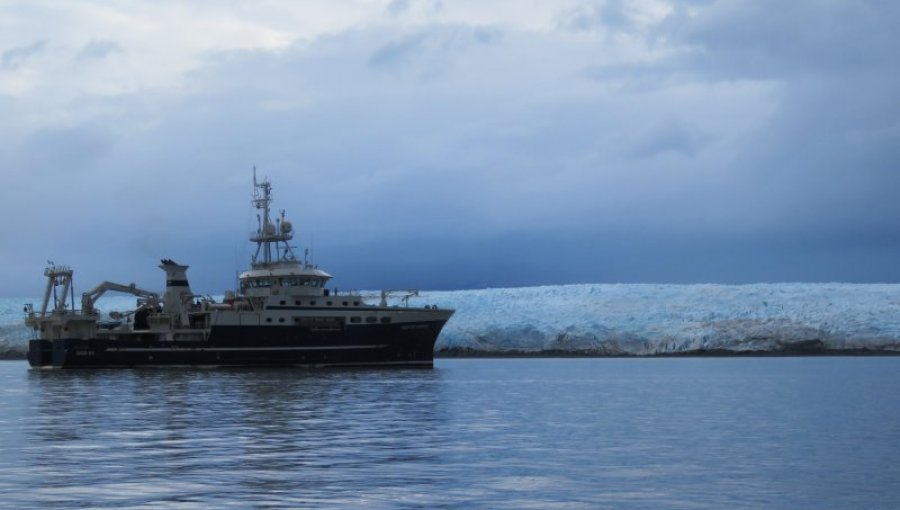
(269, 234)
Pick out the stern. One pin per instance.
(40, 353)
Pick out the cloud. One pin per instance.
(15, 57)
(398, 6)
(399, 51)
(432, 48)
(745, 39)
(55, 151)
(672, 137)
(98, 49)
(702, 141)
(590, 16)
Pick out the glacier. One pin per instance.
(646, 319)
(632, 319)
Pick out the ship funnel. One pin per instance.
(176, 274)
(178, 291)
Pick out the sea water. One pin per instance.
(489, 433)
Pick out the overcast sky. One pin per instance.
(453, 143)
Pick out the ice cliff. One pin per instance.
(651, 319)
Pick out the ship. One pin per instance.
(282, 313)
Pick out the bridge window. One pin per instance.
(260, 282)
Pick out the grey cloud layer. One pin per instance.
(749, 141)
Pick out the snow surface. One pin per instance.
(634, 318)
(647, 318)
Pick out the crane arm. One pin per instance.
(89, 297)
(408, 293)
(105, 287)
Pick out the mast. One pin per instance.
(268, 234)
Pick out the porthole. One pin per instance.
(385, 320)
(355, 320)
(284, 302)
(281, 319)
(328, 303)
(356, 303)
(371, 320)
(312, 303)
(268, 319)
(345, 303)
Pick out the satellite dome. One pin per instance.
(286, 227)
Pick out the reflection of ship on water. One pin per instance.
(283, 314)
(219, 434)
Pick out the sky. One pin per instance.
(453, 144)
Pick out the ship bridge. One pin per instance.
(292, 278)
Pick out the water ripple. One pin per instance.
(723, 433)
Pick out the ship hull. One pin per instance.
(388, 345)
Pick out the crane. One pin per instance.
(408, 293)
(91, 296)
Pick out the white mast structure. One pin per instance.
(268, 234)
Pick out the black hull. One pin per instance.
(409, 345)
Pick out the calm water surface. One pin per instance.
(523, 433)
